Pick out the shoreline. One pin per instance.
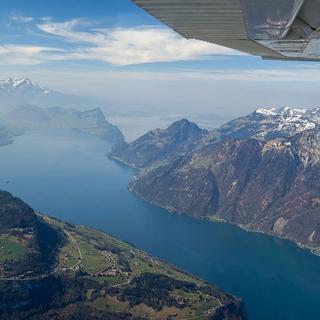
(120, 161)
(313, 250)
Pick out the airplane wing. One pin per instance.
(272, 29)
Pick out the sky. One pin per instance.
(116, 51)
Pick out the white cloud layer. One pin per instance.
(115, 46)
(127, 46)
(82, 40)
(27, 54)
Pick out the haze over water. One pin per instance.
(68, 175)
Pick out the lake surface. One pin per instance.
(68, 176)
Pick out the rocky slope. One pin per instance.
(261, 171)
(264, 124)
(160, 146)
(28, 245)
(55, 270)
(93, 121)
(272, 186)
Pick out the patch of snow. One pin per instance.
(285, 121)
(267, 112)
(13, 84)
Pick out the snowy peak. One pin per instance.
(302, 118)
(285, 112)
(15, 92)
(271, 123)
(22, 82)
(13, 85)
(267, 112)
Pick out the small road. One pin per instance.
(110, 258)
(79, 251)
(121, 284)
(207, 313)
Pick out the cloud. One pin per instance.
(28, 55)
(36, 55)
(127, 46)
(86, 40)
(257, 75)
(21, 19)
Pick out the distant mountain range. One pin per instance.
(261, 171)
(50, 269)
(22, 85)
(27, 117)
(20, 91)
(25, 105)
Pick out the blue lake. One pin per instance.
(68, 175)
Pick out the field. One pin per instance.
(106, 260)
(11, 248)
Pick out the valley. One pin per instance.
(245, 173)
(222, 254)
(160, 160)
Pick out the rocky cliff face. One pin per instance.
(261, 171)
(160, 146)
(272, 186)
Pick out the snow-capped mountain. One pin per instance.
(21, 91)
(265, 124)
(13, 85)
(23, 87)
(269, 185)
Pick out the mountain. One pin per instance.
(260, 171)
(50, 269)
(270, 186)
(93, 121)
(15, 92)
(266, 124)
(12, 86)
(159, 146)
(28, 245)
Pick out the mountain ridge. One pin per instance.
(271, 123)
(159, 146)
(93, 121)
(12, 84)
(20, 91)
(265, 183)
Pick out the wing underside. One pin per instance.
(274, 29)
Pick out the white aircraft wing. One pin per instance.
(273, 29)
